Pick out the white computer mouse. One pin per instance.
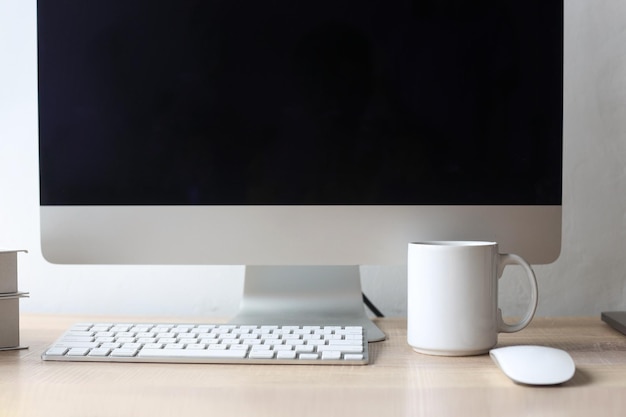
(534, 365)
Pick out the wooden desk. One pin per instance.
(398, 382)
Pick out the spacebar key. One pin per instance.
(191, 354)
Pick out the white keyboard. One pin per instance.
(211, 343)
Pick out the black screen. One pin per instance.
(300, 102)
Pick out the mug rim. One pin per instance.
(454, 243)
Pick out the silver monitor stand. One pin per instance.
(305, 295)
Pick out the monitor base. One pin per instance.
(305, 295)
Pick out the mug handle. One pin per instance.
(511, 259)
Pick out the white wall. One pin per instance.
(589, 277)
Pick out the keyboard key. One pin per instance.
(73, 338)
(57, 351)
(331, 355)
(286, 354)
(122, 352)
(196, 346)
(207, 353)
(353, 356)
(349, 348)
(308, 356)
(77, 352)
(343, 342)
(99, 352)
(261, 354)
(88, 345)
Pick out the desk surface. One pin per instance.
(398, 382)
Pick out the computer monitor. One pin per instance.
(299, 138)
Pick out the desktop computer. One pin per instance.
(303, 139)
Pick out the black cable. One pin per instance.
(371, 306)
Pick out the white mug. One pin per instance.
(453, 297)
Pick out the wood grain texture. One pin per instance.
(398, 382)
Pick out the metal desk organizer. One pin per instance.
(9, 301)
